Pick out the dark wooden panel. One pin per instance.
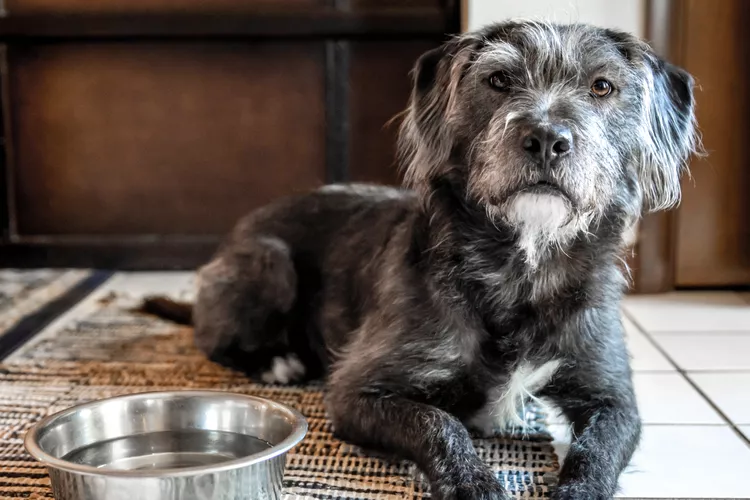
(397, 5)
(162, 138)
(219, 6)
(143, 128)
(274, 23)
(150, 6)
(652, 263)
(338, 60)
(183, 255)
(7, 218)
(380, 86)
(713, 236)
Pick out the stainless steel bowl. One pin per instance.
(186, 445)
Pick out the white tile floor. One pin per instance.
(691, 355)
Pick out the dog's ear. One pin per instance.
(426, 137)
(669, 136)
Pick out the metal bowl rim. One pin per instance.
(299, 430)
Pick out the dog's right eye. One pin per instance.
(499, 81)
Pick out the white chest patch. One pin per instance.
(542, 219)
(506, 404)
(545, 213)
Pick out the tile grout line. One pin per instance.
(685, 376)
(732, 371)
(685, 425)
(675, 333)
(718, 371)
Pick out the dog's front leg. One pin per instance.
(606, 430)
(435, 440)
(605, 438)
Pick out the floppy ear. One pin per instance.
(425, 138)
(670, 134)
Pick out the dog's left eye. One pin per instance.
(601, 88)
(499, 80)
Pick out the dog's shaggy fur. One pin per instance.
(495, 278)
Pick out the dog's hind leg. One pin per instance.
(240, 315)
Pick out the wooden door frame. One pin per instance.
(654, 259)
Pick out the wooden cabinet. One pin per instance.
(712, 245)
(161, 138)
(137, 132)
(705, 243)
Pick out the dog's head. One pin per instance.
(550, 125)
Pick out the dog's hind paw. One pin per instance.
(284, 370)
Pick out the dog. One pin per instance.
(530, 150)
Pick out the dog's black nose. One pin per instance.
(547, 144)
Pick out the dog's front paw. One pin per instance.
(477, 486)
(481, 492)
(581, 491)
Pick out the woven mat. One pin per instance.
(110, 351)
(24, 292)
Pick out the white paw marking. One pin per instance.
(284, 370)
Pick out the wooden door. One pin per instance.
(712, 239)
(705, 243)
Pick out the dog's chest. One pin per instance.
(506, 402)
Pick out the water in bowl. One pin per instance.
(167, 450)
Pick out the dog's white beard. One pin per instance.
(543, 220)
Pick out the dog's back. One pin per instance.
(262, 298)
(314, 221)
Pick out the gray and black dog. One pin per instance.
(530, 150)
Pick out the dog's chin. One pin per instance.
(539, 210)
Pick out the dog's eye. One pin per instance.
(601, 88)
(499, 81)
